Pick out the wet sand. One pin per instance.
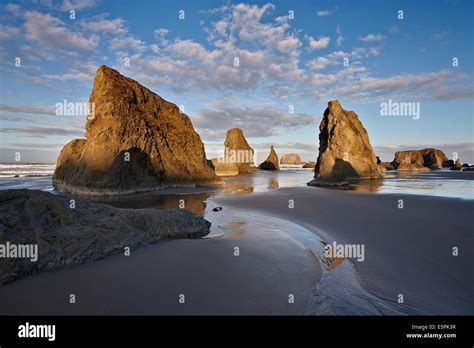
(407, 251)
(271, 265)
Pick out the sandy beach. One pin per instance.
(407, 251)
(271, 265)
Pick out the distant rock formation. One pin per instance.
(457, 165)
(290, 158)
(345, 152)
(386, 165)
(429, 158)
(90, 231)
(135, 141)
(309, 165)
(271, 163)
(448, 164)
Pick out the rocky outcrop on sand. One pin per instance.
(429, 158)
(386, 165)
(412, 167)
(345, 152)
(271, 163)
(457, 165)
(309, 165)
(222, 168)
(135, 141)
(290, 158)
(69, 233)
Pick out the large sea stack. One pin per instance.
(271, 163)
(345, 152)
(135, 141)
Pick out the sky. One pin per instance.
(293, 57)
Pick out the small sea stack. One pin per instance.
(420, 160)
(291, 159)
(271, 163)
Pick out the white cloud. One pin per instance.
(72, 74)
(49, 31)
(255, 121)
(26, 109)
(125, 44)
(324, 13)
(14, 9)
(372, 38)
(319, 63)
(7, 32)
(355, 84)
(68, 5)
(315, 44)
(161, 33)
(115, 26)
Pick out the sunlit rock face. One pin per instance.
(345, 152)
(135, 141)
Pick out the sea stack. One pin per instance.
(291, 158)
(238, 151)
(424, 159)
(238, 155)
(345, 152)
(135, 141)
(271, 163)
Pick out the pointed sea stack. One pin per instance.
(135, 141)
(271, 163)
(345, 152)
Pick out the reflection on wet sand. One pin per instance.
(195, 203)
(367, 185)
(273, 183)
(443, 183)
